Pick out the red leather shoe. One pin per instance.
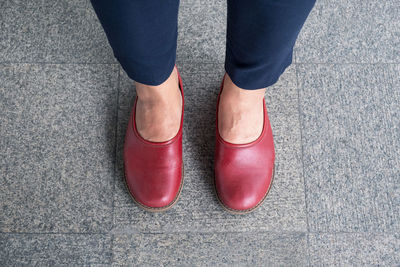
(243, 173)
(153, 170)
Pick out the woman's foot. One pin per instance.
(154, 171)
(158, 109)
(240, 114)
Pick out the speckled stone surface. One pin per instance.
(57, 147)
(54, 250)
(52, 32)
(198, 206)
(217, 249)
(64, 106)
(201, 31)
(350, 32)
(354, 249)
(351, 146)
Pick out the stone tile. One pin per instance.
(57, 147)
(354, 249)
(54, 250)
(201, 31)
(200, 249)
(351, 141)
(342, 31)
(198, 208)
(52, 31)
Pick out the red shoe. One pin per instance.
(153, 170)
(243, 173)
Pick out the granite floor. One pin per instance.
(335, 114)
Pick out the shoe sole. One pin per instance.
(240, 212)
(157, 209)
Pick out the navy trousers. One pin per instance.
(259, 39)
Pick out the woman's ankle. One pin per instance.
(161, 91)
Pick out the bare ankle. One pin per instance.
(159, 108)
(161, 91)
(239, 97)
(240, 116)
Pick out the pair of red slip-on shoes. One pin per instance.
(154, 170)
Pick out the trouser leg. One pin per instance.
(260, 39)
(143, 36)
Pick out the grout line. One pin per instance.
(354, 232)
(302, 162)
(308, 254)
(112, 249)
(115, 161)
(53, 233)
(129, 231)
(133, 232)
(301, 143)
(115, 145)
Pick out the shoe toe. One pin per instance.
(159, 189)
(241, 192)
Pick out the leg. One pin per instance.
(259, 46)
(143, 36)
(260, 38)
